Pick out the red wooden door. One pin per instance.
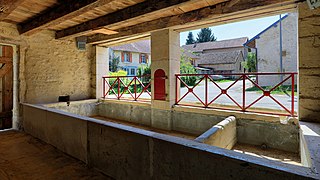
(6, 78)
(159, 85)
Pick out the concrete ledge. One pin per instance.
(310, 145)
(125, 152)
(65, 131)
(226, 113)
(223, 135)
(126, 111)
(122, 101)
(83, 107)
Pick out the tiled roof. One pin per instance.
(230, 43)
(229, 57)
(190, 54)
(143, 46)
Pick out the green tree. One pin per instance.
(190, 39)
(205, 35)
(142, 71)
(114, 64)
(250, 63)
(187, 68)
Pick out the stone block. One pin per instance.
(69, 134)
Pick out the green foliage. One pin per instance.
(190, 39)
(205, 35)
(250, 63)
(118, 73)
(114, 64)
(142, 71)
(145, 81)
(187, 68)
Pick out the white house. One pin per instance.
(268, 47)
(132, 55)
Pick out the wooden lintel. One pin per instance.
(56, 15)
(130, 12)
(7, 6)
(190, 18)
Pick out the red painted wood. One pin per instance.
(160, 85)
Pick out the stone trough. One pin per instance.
(100, 143)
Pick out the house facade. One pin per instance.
(132, 56)
(269, 52)
(221, 57)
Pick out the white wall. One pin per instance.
(135, 60)
(268, 46)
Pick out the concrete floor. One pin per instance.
(25, 157)
(272, 154)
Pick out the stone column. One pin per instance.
(309, 63)
(102, 68)
(165, 55)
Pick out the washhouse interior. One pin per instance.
(57, 119)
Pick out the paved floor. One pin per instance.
(25, 157)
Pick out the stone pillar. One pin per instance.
(165, 55)
(102, 68)
(309, 63)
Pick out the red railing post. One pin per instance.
(244, 92)
(206, 91)
(292, 94)
(118, 78)
(135, 88)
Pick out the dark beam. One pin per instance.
(56, 15)
(189, 18)
(136, 10)
(7, 6)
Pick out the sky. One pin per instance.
(249, 28)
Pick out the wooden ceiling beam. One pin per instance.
(191, 18)
(56, 15)
(7, 6)
(130, 12)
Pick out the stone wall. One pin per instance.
(309, 63)
(48, 67)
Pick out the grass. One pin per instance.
(279, 90)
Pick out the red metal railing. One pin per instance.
(209, 102)
(126, 87)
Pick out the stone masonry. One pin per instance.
(309, 63)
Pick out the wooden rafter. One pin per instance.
(67, 10)
(130, 12)
(7, 6)
(233, 2)
(200, 15)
